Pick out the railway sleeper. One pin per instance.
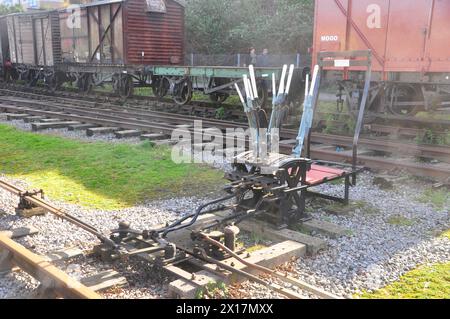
(127, 134)
(101, 130)
(51, 125)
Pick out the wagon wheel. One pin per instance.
(404, 93)
(353, 105)
(183, 93)
(160, 87)
(32, 78)
(219, 97)
(116, 83)
(126, 86)
(23, 75)
(85, 83)
(52, 81)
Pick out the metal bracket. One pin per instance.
(24, 204)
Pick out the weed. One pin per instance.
(398, 220)
(438, 198)
(213, 290)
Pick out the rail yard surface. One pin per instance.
(246, 154)
(381, 236)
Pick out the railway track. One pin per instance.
(135, 121)
(57, 283)
(53, 281)
(382, 123)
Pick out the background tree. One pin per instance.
(6, 9)
(217, 26)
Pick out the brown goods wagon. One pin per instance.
(124, 32)
(34, 38)
(404, 35)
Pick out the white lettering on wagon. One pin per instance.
(74, 18)
(374, 19)
(329, 38)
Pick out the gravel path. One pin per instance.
(377, 251)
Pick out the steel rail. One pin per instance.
(33, 199)
(291, 280)
(420, 150)
(274, 287)
(136, 99)
(38, 267)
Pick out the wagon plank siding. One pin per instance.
(154, 38)
(32, 38)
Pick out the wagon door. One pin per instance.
(406, 45)
(26, 40)
(74, 36)
(106, 40)
(44, 41)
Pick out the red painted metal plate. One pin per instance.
(319, 174)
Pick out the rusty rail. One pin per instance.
(51, 278)
(39, 202)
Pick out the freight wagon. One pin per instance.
(34, 44)
(125, 43)
(409, 41)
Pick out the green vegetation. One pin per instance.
(400, 221)
(220, 113)
(433, 116)
(439, 198)
(99, 175)
(6, 9)
(430, 137)
(145, 91)
(430, 282)
(217, 26)
(213, 290)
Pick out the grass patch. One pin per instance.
(213, 290)
(433, 116)
(438, 198)
(446, 234)
(99, 175)
(431, 282)
(400, 221)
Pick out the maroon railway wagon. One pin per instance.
(102, 42)
(128, 32)
(409, 41)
